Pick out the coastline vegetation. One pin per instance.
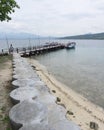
(4, 59)
(5, 88)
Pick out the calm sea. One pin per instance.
(81, 69)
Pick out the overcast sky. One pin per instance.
(57, 17)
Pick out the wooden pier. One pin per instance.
(35, 50)
(26, 52)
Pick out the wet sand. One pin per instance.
(79, 109)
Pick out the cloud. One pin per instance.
(61, 17)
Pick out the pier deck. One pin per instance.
(35, 50)
(40, 49)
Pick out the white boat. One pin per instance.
(70, 45)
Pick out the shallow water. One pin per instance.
(80, 69)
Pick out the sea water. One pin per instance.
(81, 69)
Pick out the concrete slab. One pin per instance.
(56, 113)
(21, 94)
(23, 76)
(57, 119)
(46, 98)
(43, 89)
(27, 112)
(27, 82)
(24, 72)
(38, 126)
(65, 125)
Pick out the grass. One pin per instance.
(5, 119)
(8, 129)
(4, 59)
(5, 64)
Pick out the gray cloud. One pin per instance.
(78, 16)
(61, 17)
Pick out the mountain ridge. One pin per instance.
(99, 36)
(23, 35)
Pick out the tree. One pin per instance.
(6, 8)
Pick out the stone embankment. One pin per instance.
(34, 106)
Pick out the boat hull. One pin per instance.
(70, 45)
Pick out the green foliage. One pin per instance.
(6, 8)
(3, 108)
(5, 119)
(8, 129)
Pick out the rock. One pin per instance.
(53, 91)
(58, 99)
(94, 125)
(70, 113)
(33, 67)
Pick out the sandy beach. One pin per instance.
(79, 110)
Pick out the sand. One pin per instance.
(79, 110)
(5, 88)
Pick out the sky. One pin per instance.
(56, 17)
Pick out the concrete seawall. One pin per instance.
(34, 107)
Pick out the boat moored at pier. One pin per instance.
(70, 45)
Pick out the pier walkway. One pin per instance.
(41, 49)
(35, 50)
(34, 106)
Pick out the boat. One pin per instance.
(70, 45)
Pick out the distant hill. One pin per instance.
(21, 35)
(98, 36)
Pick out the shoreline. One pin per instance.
(79, 109)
